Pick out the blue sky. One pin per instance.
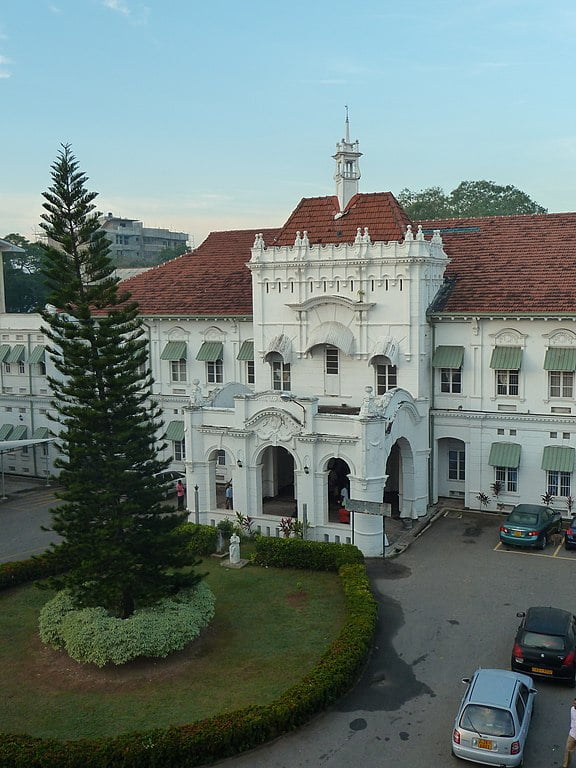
(223, 114)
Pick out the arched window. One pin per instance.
(280, 372)
(386, 376)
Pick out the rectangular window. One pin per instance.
(560, 383)
(215, 372)
(332, 361)
(456, 465)
(42, 369)
(221, 458)
(281, 376)
(6, 367)
(558, 483)
(24, 450)
(507, 382)
(386, 378)
(178, 450)
(451, 380)
(250, 374)
(178, 370)
(44, 449)
(508, 477)
(21, 368)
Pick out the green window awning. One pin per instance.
(4, 352)
(210, 351)
(246, 351)
(20, 432)
(558, 457)
(560, 359)
(175, 430)
(5, 431)
(175, 350)
(41, 433)
(37, 354)
(16, 354)
(448, 357)
(506, 358)
(505, 455)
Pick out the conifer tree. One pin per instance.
(119, 549)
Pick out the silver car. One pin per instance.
(493, 718)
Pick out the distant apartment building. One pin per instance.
(132, 244)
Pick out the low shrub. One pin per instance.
(229, 733)
(310, 555)
(203, 539)
(91, 635)
(14, 573)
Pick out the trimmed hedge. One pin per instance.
(23, 571)
(309, 555)
(227, 734)
(203, 539)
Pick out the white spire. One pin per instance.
(347, 172)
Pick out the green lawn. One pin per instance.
(270, 628)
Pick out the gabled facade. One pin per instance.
(352, 351)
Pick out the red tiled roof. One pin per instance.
(211, 280)
(379, 211)
(510, 263)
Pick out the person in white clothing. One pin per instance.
(571, 740)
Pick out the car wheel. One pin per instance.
(543, 542)
(572, 681)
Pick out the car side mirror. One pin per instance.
(521, 614)
(533, 690)
(466, 680)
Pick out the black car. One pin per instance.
(545, 644)
(570, 535)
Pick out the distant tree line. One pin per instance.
(470, 198)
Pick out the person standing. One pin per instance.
(228, 494)
(571, 740)
(180, 492)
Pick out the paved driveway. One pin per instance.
(447, 605)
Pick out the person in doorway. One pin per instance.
(344, 495)
(180, 493)
(571, 740)
(228, 494)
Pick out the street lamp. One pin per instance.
(288, 398)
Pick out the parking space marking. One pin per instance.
(501, 548)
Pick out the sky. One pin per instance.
(212, 115)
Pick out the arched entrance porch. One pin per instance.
(399, 490)
(278, 487)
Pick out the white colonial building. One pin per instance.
(354, 349)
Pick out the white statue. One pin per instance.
(234, 549)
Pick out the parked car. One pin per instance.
(169, 478)
(493, 718)
(530, 525)
(570, 535)
(545, 644)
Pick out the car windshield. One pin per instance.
(524, 518)
(543, 642)
(487, 721)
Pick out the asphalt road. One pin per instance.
(446, 606)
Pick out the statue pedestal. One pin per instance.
(240, 564)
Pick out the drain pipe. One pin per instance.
(432, 458)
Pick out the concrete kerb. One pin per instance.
(407, 537)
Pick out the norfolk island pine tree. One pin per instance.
(119, 549)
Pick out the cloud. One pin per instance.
(4, 73)
(54, 8)
(117, 5)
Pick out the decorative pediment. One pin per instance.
(508, 337)
(562, 338)
(273, 425)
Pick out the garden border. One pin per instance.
(229, 733)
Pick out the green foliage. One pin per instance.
(117, 550)
(92, 636)
(311, 555)
(24, 285)
(226, 527)
(470, 198)
(200, 539)
(23, 571)
(224, 735)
